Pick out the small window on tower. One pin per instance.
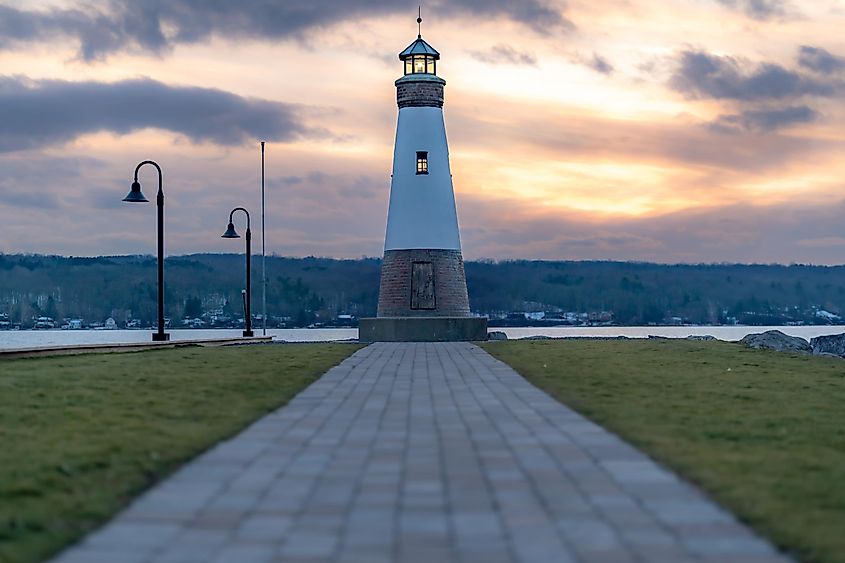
(422, 162)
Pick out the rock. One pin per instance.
(776, 340)
(497, 335)
(830, 344)
(828, 355)
(703, 337)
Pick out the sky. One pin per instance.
(648, 130)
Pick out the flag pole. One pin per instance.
(263, 253)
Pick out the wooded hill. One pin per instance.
(318, 289)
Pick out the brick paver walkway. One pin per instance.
(422, 452)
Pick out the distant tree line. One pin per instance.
(642, 293)
(307, 290)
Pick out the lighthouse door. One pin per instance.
(422, 286)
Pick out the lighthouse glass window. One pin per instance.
(420, 65)
(422, 162)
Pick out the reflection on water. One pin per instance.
(36, 338)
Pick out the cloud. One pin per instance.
(340, 186)
(155, 26)
(761, 121)
(820, 60)
(765, 96)
(792, 232)
(536, 14)
(597, 63)
(702, 75)
(41, 182)
(324, 206)
(673, 144)
(505, 54)
(97, 32)
(17, 197)
(758, 9)
(47, 112)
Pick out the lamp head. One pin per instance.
(135, 195)
(231, 232)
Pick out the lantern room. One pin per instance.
(420, 58)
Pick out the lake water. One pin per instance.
(35, 338)
(11, 339)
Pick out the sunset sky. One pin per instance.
(656, 130)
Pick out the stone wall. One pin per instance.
(419, 94)
(449, 279)
(423, 329)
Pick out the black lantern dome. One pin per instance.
(135, 194)
(230, 232)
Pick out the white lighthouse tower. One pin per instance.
(423, 291)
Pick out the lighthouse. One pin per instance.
(423, 290)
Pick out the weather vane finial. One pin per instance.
(419, 22)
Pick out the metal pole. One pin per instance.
(248, 304)
(263, 256)
(160, 335)
(243, 302)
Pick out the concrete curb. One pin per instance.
(79, 349)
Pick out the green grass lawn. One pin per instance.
(763, 432)
(80, 436)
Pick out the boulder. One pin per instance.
(830, 344)
(497, 335)
(776, 340)
(703, 337)
(829, 355)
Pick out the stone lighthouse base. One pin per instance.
(422, 329)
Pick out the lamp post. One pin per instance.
(247, 293)
(135, 196)
(263, 255)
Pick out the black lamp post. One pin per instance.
(135, 196)
(247, 293)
